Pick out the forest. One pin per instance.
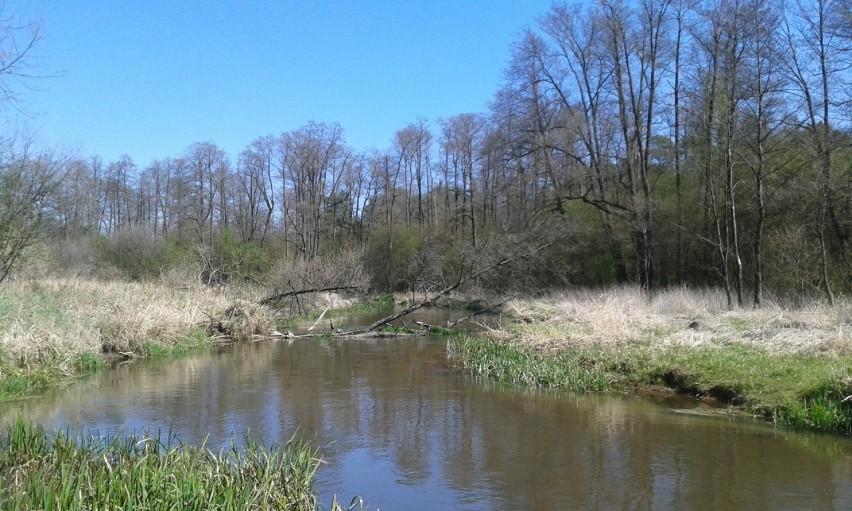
(657, 143)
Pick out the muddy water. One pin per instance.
(398, 427)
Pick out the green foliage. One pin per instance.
(139, 253)
(237, 261)
(382, 303)
(823, 414)
(13, 387)
(39, 470)
(194, 339)
(505, 362)
(442, 331)
(89, 362)
(797, 390)
(388, 258)
(17, 382)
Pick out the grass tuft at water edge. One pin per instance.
(39, 470)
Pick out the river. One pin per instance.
(398, 427)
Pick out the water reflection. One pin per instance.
(399, 428)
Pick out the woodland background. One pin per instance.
(658, 143)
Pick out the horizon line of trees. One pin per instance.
(656, 142)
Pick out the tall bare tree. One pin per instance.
(256, 204)
(817, 62)
(28, 180)
(312, 160)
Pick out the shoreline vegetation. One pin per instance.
(792, 366)
(54, 329)
(44, 470)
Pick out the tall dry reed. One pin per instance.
(59, 318)
(677, 316)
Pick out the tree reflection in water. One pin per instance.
(397, 426)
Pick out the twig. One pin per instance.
(311, 328)
(451, 324)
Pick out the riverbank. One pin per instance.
(789, 365)
(54, 329)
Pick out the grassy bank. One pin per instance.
(52, 329)
(61, 471)
(793, 366)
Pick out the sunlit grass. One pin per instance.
(625, 315)
(511, 363)
(791, 365)
(793, 389)
(63, 471)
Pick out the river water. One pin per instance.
(398, 427)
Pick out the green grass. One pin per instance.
(90, 363)
(19, 382)
(575, 370)
(193, 340)
(378, 304)
(804, 391)
(443, 331)
(39, 470)
(367, 307)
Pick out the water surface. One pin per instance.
(397, 426)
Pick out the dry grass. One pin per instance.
(790, 365)
(677, 317)
(62, 318)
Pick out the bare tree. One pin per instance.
(17, 69)
(256, 196)
(817, 63)
(28, 180)
(312, 161)
(765, 118)
(636, 46)
(580, 75)
(461, 146)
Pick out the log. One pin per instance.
(408, 310)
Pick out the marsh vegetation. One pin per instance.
(790, 365)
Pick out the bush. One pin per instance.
(231, 260)
(139, 253)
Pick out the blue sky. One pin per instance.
(149, 78)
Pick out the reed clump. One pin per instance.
(790, 365)
(39, 470)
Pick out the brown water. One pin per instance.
(398, 427)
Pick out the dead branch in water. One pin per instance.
(486, 310)
(311, 328)
(277, 297)
(408, 310)
(463, 278)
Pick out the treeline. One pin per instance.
(657, 142)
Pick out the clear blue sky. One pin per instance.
(149, 78)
